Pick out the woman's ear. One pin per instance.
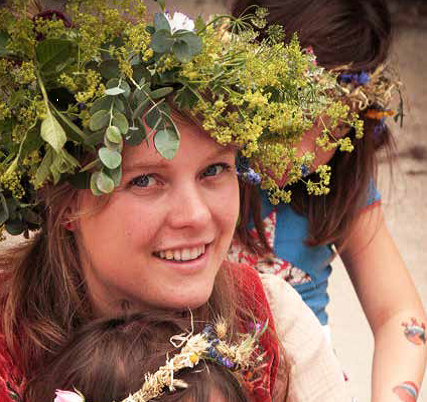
(69, 219)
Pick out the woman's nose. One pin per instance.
(189, 208)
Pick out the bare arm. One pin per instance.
(392, 307)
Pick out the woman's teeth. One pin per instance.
(184, 254)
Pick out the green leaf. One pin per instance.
(161, 92)
(94, 184)
(114, 135)
(53, 55)
(103, 103)
(193, 41)
(161, 22)
(43, 171)
(117, 86)
(99, 120)
(4, 38)
(181, 50)
(152, 117)
(104, 183)
(140, 72)
(110, 159)
(109, 69)
(53, 133)
(95, 138)
(135, 136)
(4, 211)
(166, 142)
(32, 142)
(120, 121)
(114, 91)
(162, 41)
(116, 175)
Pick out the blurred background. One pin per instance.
(404, 191)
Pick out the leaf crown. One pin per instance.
(74, 92)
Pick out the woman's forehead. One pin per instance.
(195, 144)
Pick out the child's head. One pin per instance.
(354, 36)
(107, 360)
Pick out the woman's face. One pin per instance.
(164, 233)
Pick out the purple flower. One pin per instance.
(363, 78)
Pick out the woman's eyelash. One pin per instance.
(143, 180)
(216, 169)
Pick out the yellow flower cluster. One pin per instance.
(4, 111)
(11, 180)
(25, 74)
(321, 187)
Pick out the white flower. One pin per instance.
(68, 396)
(180, 21)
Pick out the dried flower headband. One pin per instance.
(209, 345)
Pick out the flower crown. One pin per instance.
(209, 345)
(74, 91)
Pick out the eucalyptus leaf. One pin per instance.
(115, 174)
(95, 138)
(140, 72)
(114, 135)
(166, 142)
(103, 103)
(161, 22)
(4, 211)
(118, 104)
(110, 159)
(120, 121)
(109, 69)
(53, 133)
(114, 91)
(114, 84)
(104, 183)
(152, 117)
(181, 51)
(193, 41)
(31, 217)
(99, 120)
(162, 41)
(161, 92)
(93, 184)
(135, 135)
(112, 145)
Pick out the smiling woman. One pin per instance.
(135, 207)
(180, 218)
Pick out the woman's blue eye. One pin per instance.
(143, 181)
(213, 170)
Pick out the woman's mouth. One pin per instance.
(182, 254)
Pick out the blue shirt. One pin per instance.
(288, 243)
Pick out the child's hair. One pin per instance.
(352, 33)
(107, 359)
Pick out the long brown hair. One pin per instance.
(358, 34)
(108, 359)
(43, 296)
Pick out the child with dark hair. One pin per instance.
(295, 241)
(111, 359)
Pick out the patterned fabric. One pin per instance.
(306, 268)
(268, 264)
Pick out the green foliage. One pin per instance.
(121, 78)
